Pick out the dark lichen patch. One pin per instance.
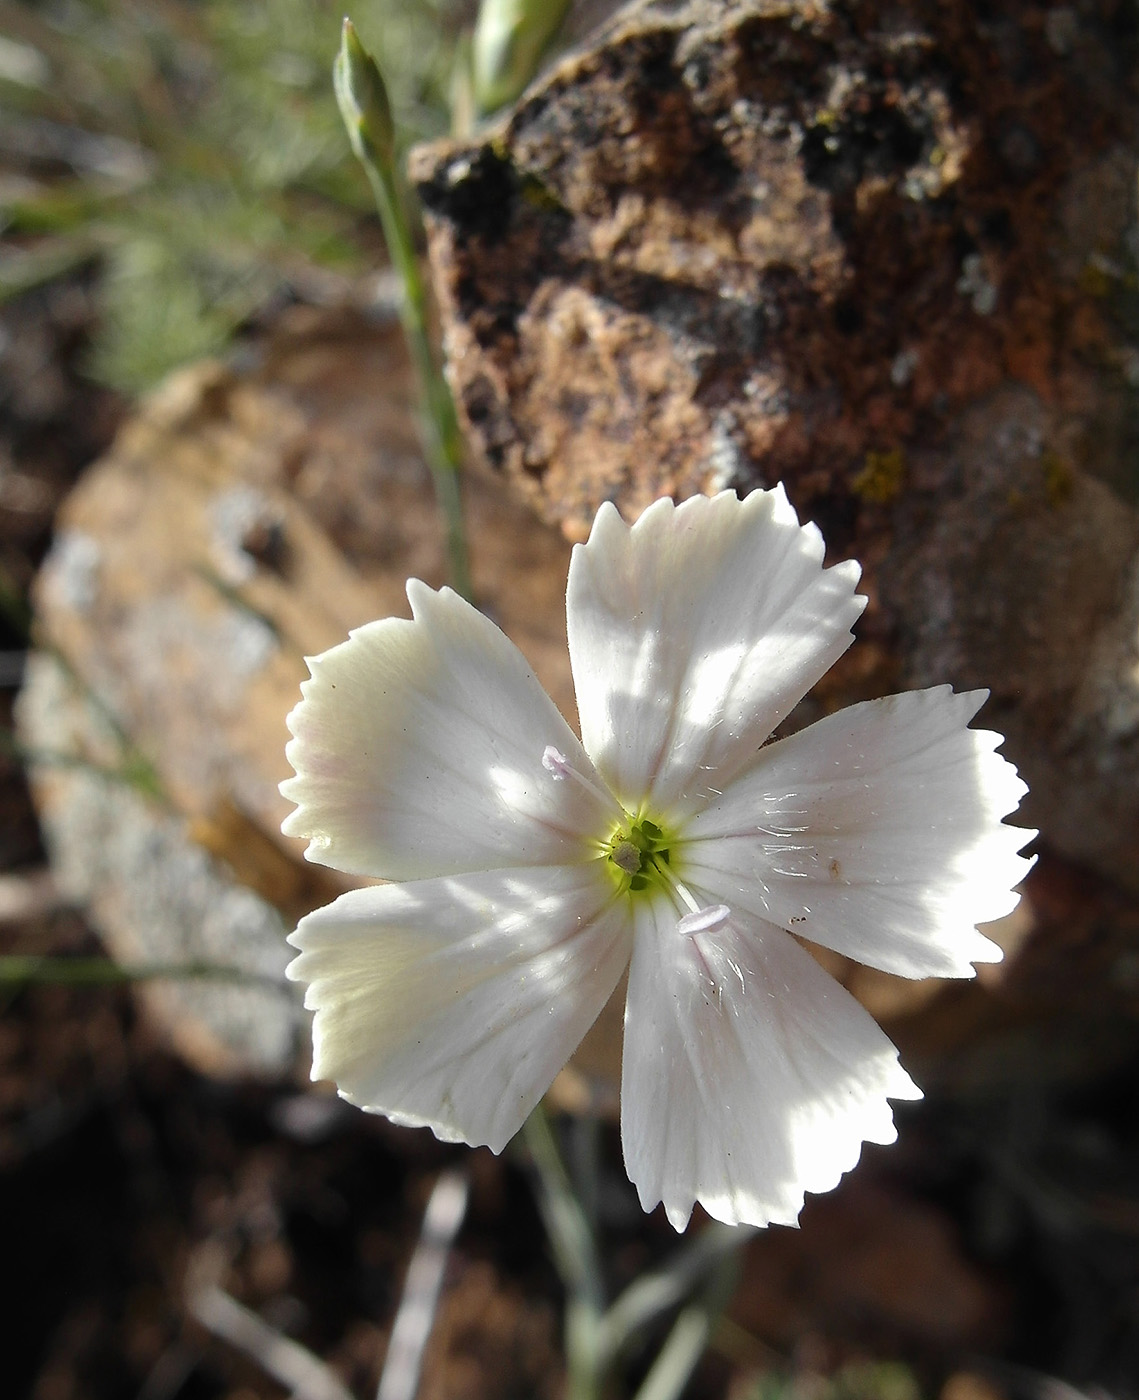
(780, 64)
(875, 138)
(474, 190)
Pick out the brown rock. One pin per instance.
(881, 254)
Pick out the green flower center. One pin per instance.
(639, 854)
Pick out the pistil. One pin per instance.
(640, 852)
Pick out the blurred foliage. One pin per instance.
(858, 1380)
(196, 151)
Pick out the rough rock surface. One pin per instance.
(885, 254)
(156, 895)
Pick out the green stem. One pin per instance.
(134, 772)
(585, 1162)
(691, 1333)
(705, 1266)
(443, 438)
(653, 1295)
(134, 769)
(364, 106)
(577, 1259)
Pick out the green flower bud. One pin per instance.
(363, 100)
(510, 38)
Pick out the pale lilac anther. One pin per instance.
(704, 920)
(556, 763)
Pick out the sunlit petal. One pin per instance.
(876, 832)
(453, 1003)
(750, 1075)
(418, 751)
(693, 633)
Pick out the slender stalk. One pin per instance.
(699, 1279)
(510, 40)
(415, 1316)
(302, 1374)
(135, 771)
(654, 1294)
(443, 440)
(690, 1334)
(364, 106)
(577, 1259)
(585, 1162)
(134, 768)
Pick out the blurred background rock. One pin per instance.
(889, 254)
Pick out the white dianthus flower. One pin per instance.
(534, 869)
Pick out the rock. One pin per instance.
(885, 255)
(156, 896)
(245, 518)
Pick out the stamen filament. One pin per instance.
(682, 890)
(556, 763)
(700, 918)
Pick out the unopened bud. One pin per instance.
(363, 100)
(510, 38)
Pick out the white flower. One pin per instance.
(671, 841)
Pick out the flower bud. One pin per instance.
(510, 38)
(363, 100)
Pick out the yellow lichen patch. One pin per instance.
(1058, 477)
(1094, 279)
(881, 479)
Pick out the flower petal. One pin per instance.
(418, 750)
(876, 832)
(453, 1003)
(749, 1076)
(693, 633)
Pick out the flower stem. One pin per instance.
(657, 1293)
(367, 117)
(690, 1333)
(443, 441)
(698, 1279)
(577, 1259)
